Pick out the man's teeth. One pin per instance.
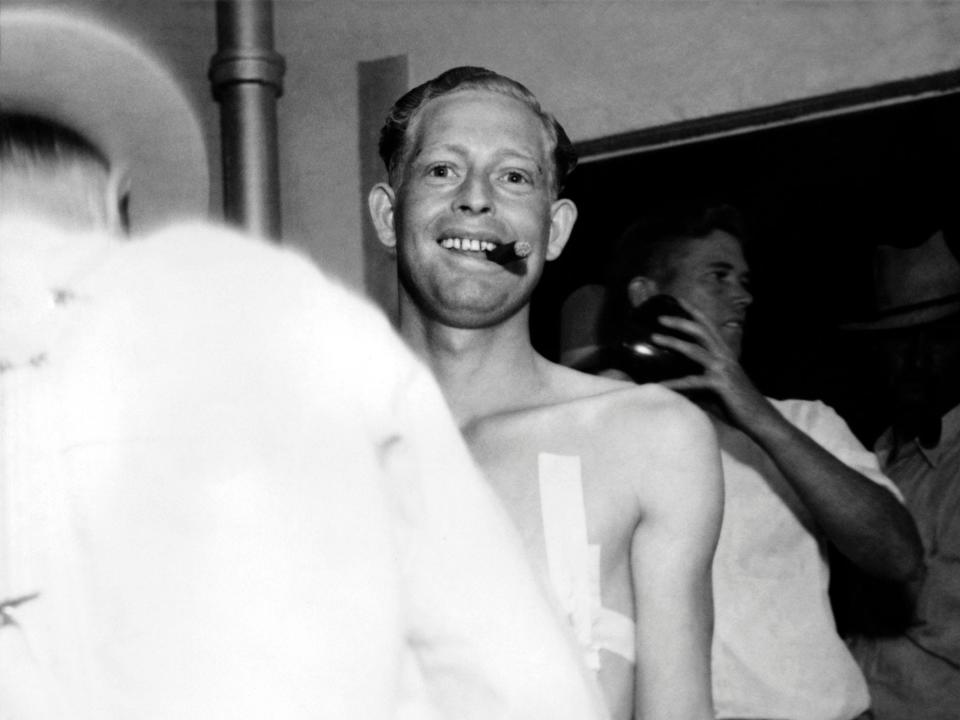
(469, 244)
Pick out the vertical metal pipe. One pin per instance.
(246, 75)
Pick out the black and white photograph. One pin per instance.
(480, 359)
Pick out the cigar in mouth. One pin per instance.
(509, 252)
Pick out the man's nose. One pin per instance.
(475, 195)
(742, 297)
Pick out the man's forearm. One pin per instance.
(862, 519)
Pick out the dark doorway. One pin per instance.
(817, 195)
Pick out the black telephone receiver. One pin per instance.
(643, 359)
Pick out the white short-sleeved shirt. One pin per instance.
(776, 652)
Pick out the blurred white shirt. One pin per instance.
(227, 490)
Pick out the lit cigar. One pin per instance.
(511, 251)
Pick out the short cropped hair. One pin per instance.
(649, 245)
(29, 140)
(51, 168)
(394, 138)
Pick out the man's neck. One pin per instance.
(481, 371)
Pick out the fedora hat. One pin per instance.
(913, 285)
(94, 78)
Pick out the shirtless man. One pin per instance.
(615, 488)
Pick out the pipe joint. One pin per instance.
(233, 66)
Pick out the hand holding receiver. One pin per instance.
(641, 356)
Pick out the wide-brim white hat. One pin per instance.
(97, 80)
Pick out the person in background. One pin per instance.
(615, 489)
(795, 477)
(913, 669)
(227, 488)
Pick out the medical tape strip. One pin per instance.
(568, 551)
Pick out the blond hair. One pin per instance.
(51, 171)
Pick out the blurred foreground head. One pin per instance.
(95, 133)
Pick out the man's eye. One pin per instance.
(516, 177)
(439, 171)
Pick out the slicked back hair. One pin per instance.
(397, 130)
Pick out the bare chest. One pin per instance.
(551, 468)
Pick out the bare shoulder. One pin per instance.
(665, 446)
(649, 410)
(615, 420)
(611, 405)
(672, 414)
(656, 425)
(660, 448)
(648, 424)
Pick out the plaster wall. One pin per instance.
(602, 66)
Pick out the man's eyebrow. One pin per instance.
(421, 150)
(451, 146)
(720, 264)
(540, 171)
(726, 265)
(463, 151)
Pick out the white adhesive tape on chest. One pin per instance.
(570, 559)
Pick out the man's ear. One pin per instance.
(117, 208)
(640, 289)
(563, 215)
(381, 202)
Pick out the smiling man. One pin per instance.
(615, 488)
(795, 478)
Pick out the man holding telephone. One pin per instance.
(795, 478)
